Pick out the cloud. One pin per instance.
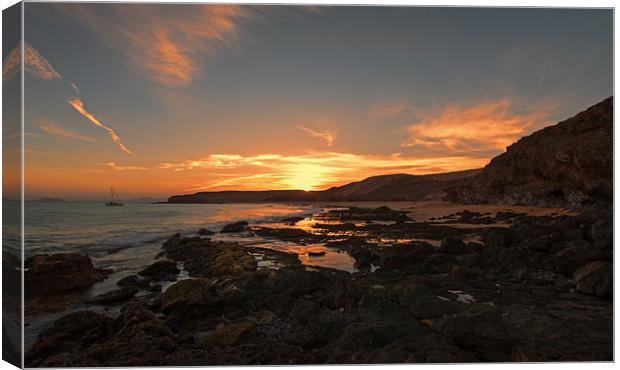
(390, 110)
(166, 43)
(326, 136)
(485, 127)
(77, 104)
(39, 67)
(51, 128)
(115, 167)
(312, 171)
(34, 63)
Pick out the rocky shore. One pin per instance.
(462, 287)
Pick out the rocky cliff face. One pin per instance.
(569, 164)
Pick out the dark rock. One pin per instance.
(160, 270)
(568, 164)
(498, 238)
(188, 293)
(52, 273)
(568, 260)
(452, 245)
(602, 233)
(282, 233)
(205, 232)
(479, 328)
(316, 254)
(596, 278)
(421, 301)
(236, 227)
(133, 280)
(232, 334)
(114, 296)
(302, 310)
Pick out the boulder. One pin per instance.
(188, 293)
(479, 328)
(160, 270)
(133, 280)
(421, 301)
(232, 334)
(61, 272)
(568, 260)
(452, 245)
(596, 278)
(205, 232)
(235, 227)
(114, 296)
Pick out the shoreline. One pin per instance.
(464, 271)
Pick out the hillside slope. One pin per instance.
(399, 187)
(569, 164)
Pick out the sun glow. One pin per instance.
(307, 177)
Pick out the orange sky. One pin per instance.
(205, 98)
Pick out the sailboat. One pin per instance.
(114, 199)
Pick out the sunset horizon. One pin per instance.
(224, 98)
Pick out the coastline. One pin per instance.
(448, 254)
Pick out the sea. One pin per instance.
(127, 239)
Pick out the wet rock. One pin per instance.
(205, 232)
(133, 280)
(52, 273)
(282, 233)
(462, 272)
(236, 227)
(316, 254)
(452, 245)
(479, 328)
(422, 302)
(595, 278)
(160, 270)
(400, 257)
(292, 220)
(602, 233)
(232, 334)
(114, 296)
(188, 293)
(302, 309)
(568, 260)
(498, 238)
(73, 332)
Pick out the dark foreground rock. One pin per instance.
(236, 227)
(534, 289)
(52, 273)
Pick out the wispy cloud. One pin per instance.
(39, 67)
(166, 43)
(328, 137)
(51, 128)
(313, 170)
(116, 167)
(487, 126)
(34, 63)
(390, 110)
(78, 105)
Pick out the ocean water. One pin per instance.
(127, 239)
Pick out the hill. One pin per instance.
(399, 187)
(569, 164)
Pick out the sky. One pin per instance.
(163, 99)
